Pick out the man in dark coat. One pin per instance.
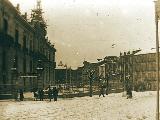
(35, 95)
(129, 91)
(49, 94)
(39, 95)
(55, 93)
(15, 94)
(42, 94)
(21, 95)
(101, 91)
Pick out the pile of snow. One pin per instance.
(112, 107)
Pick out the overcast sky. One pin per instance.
(86, 29)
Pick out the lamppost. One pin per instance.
(14, 82)
(14, 71)
(39, 69)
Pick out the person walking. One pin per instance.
(101, 91)
(106, 89)
(49, 94)
(39, 95)
(129, 91)
(15, 94)
(35, 95)
(42, 94)
(21, 95)
(55, 93)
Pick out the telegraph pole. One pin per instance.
(124, 73)
(157, 58)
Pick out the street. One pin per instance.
(111, 107)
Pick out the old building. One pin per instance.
(112, 73)
(65, 76)
(139, 71)
(87, 68)
(27, 58)
(144, 71)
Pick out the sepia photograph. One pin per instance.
(79, 60)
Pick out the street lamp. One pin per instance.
(14, 69)
(13, 77)
(39, 69)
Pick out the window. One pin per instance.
(54, 57)
(49, 55)
(24, 65)
(24, 83)
(5, 25)
(24, 41)
(16, 61)
(24, 70)
(31, 45)
(3, 60)
(16, 36)
(31, 70)
(31, 64)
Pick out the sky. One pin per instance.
(92, 29)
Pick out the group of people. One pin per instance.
(52, 94)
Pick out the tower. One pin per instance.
(37, 19)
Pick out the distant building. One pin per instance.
(144, 71)
(27, 58)
(139, 71)
(112, 73)
(87, 68)
(65, 76)
(79, 79)
(60, 76)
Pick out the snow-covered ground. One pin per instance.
(111, 107)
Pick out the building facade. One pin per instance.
(27, 58)
(144, 71)
(112, 73)
(139, 71)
